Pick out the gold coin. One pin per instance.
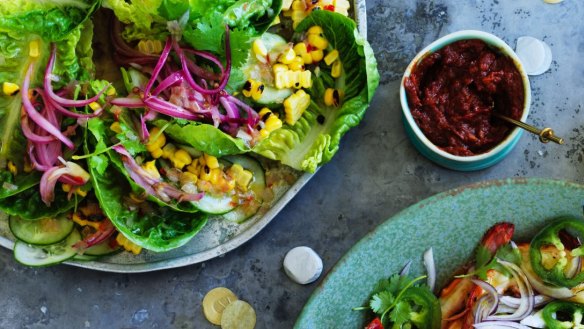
(215, 302)
(238, 315)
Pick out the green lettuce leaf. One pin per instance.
(28, 204)
(315, 138)
(151, 226)
(203, 137)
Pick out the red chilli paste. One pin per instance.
(453, 92)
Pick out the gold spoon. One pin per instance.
(545, 134)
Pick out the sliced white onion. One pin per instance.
(511, 301)
(430, 268)
(500, 325)
(487, 304)
(535, 320)
(526, 305)
(406, 269)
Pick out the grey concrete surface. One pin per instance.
(376, 173)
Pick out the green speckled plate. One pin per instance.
(452, 223)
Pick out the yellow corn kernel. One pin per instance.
(316, 55)
(12, 168)
(168, 151)
(188, 177)
(10, 89)
(27, 167)
(95, 106)
(279, 68)
(115, 127)
(136, 198)
(33, 49)
(317, 30)
(317, 41)
(205, 173)
(305, 79)
(287, 56)
(241, 176)
(332, 97)
(66, 187)
(264, 113)
(156, 153)
(211, 161)
(307, 58)
(286, 4)
(83, 222)
(297, 64)
(260, 50)
(150, 168)
(272, 123)
(111, 91)
(127, 244)
(295, 105)
(253, 89)
(331, 57)
(299, 5)
(180, 159)
(264, 133)
(276, 21)
(194, 167)
(300, 49)
(337, 69)
(156, 141)
(215, 176)
(150, 47)
(80, 192)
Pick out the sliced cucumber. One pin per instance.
(44, 231)
(84, 258)
(215, 205)
(273, 96)
(257, 186)
(102, 249)
(30, 255)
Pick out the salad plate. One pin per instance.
(450, 223)
(218, 236)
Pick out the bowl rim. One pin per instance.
(491, 40)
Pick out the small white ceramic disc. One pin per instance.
(302, 265)
(535, 55)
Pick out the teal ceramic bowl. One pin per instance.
(433, 152)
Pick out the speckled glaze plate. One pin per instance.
(218, 236)
(451, 223)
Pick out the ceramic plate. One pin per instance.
(452, 223)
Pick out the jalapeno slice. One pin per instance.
(550, 253)
(563, 315)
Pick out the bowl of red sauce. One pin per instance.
(450, 93)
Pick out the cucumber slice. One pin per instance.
(273, 96)
(44, 231)
(84, 258)
(215, 205)
(102, 249)
(30, 255)
(257, 186)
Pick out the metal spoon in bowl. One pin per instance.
(545, 134)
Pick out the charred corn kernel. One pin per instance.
(316, 55)
(253, 89)
(241, 176)
(168, 151)
(337, 69)
(83, 222)
(297, 64)
(287, 56)
(194, 167)
(307, 58)
(12, 168)
(260, 50)
(127, 244)
(300, 49)
(150, 168)
(317, 41)
(33, 49)
(95, 106)
(317, 30)
(188, 177)
(10, 89)
(305, 79)
(211, 161)
(332, 97)
(331, 57)
(295, 105)
(180, 159)
(205, 173)
(150, 47)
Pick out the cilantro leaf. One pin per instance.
(398, 283)
(400, 314)
(483, 256)
(381, 302)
